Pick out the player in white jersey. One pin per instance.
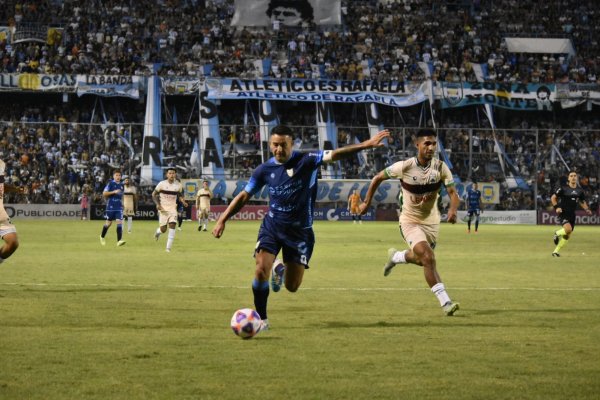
(421, 178)
(203, 197)
(8, 232)
(129, 202)
(165, 197)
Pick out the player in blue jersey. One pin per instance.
(181, 213)
(113, 193)
(473, 200)
(291, 178)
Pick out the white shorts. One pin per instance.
(6, 227)
(165, 217)
(203, 211)
(415, 233)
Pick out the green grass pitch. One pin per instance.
(82, 321)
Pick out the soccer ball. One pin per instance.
(245, 323)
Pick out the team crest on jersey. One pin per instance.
(290, 172)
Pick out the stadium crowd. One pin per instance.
(61, 156)
(376, 40)
(52, 150)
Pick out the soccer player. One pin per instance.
(113, 193)
(421, 178)
(130, 200)
(84, 201)
(353, 203)
(165, 197)
(292, 180)
(564, 200)
(180, 212)
(8, 232)
(203, 197)
(473, 199)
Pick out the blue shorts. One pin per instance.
(113, 215)
(475, 212)
(295, 243)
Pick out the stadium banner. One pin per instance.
(190, 188)
(279, 13)
(42, 211)
(109, 85)
(519, 97)
(328, 190)
(339, 214)
(174, 85)
(144, 212)
(581, 218)
(573, 94)
(247, 213)
(526, 217)
(389, 93)
(64, 83)
(257, 213)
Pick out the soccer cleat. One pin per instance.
(555, 254)
(178, 228)
(156, 235)
(128, 231)
(555, 238)
(264, 326)
(168, 250)
(199, 228)
(277, 275)
(121, 242)
(468, 231)
(450, 308)
(387, 268)
(102, 241)
(204, 229)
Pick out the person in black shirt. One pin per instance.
(564, 200)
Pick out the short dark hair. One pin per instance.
(426, 132)
(282, 130)
(302, 6)
(117, 171)
(171, 169)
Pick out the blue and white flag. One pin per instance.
(211, 156)
(480, 71)
(267, 120)
(152, 148)
(263, 66)
(195, 157)
(427, 68)
(327, 130)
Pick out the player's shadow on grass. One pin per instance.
(533, 311)
(387, 324)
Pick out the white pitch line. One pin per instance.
(340, 289)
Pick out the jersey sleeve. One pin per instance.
(316, 157)
(446, 175)
(394, 170)
(559, 191)
(256, 181)
(108, 187)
